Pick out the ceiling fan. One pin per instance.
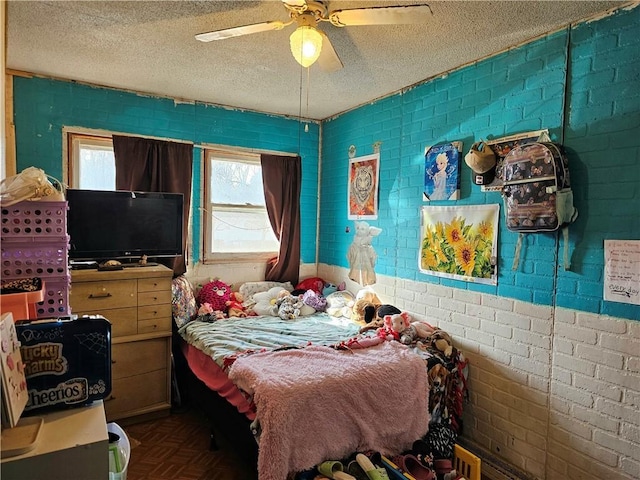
(309, 43)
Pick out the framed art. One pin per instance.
(364, 173)
(460, 242)
(442, 172)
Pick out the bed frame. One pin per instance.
(227, 425)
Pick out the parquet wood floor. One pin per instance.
(177, 448)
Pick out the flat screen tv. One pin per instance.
(105, 225)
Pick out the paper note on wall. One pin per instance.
(622, 271)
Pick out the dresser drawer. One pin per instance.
(124, 321)
(154, 325)
(154, 311)
(137, 394)
(154, 297)
(101, 296)
(135, 358)
(154, 284)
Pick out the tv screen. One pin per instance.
(119, 225)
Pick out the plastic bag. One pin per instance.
(30, 184)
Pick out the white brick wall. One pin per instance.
(555, 393)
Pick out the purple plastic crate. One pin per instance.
(28, 260)
(56, 298)
(41, 221)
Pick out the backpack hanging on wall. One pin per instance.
(537, 192)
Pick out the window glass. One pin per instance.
(236, 222)
(92, 165)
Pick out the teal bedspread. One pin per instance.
(225, 339)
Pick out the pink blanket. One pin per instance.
(317, 403)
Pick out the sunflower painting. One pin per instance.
(460, 242)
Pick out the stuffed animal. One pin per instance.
(394, 325)
(339, 304)
(208, 314)
(314, 300)
(288, 307)
(417, 331)
(216, 293)
(235, 308)
(364, 306)
(374, 316)
(330, 288)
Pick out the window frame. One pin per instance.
(209, 256)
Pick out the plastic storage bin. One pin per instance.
(45, 220)
(22, 305)
(55, 301)
(29, 259)
(123, 448)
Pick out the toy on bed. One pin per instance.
(216, 293)
(235, 308)
(314, 300)
(330, 288)
(208, 314)
(365, 305)
(288, 306)
(339, 304)
(279, 302)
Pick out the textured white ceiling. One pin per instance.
(149, 47)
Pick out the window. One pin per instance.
(92, 165)
(236, 223)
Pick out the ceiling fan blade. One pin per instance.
(328, 59)
(381, 15)
(242, 30)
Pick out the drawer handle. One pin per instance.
(111, 397)
(100, 295)
(113, 362)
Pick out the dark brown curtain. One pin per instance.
(148, 165)
(281, 179)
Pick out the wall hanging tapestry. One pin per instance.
(363, 187)
(460, 242)
(442, 172)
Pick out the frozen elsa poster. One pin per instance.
(442, 172)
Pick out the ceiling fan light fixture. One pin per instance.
(306, 45)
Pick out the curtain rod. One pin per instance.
(109, 133)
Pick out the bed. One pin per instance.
(289, 394)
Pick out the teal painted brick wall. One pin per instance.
(589, 73)
(42, 107)
(603, 134)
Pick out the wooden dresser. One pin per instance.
(137, 302)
